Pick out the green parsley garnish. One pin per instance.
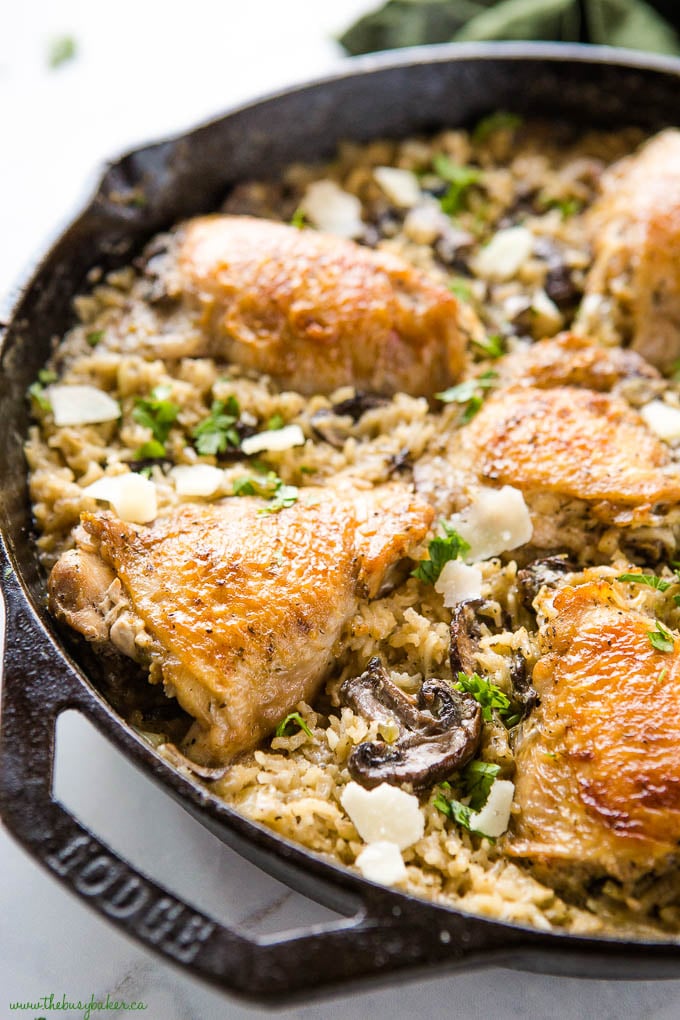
(649, 579)
(501, 120)
(493, 345)
(153, 450)
(568, 207)
(459, 178)
(293, 719)
(61, 49)
(468, 393)
(674, 375)
(477, 779)
(159, 414)
(277, 421)
(661, 638)
(94, 337)
(460, 288)
(298, 219)
(37, 392)
(486, 693)
(216, 432)
(440, 551)
(270, 487)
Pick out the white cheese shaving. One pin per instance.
(132, 496)
(662, 419)
(331, 209)
(400, 186)
(385, 814)
(494, 817)
(274, 440)
(81, 405)
(504, 254)
(197, 479)
(382, 862)
(496, 521)
(458, 582)
(426, 222)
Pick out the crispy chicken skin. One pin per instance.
(244, 607)
(570, 441)
(571, 451)
(598, 762)
(571, 360)
(315, 311)
(635, 234)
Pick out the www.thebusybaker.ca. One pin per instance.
(87, 1007)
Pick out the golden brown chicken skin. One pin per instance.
(315, 311)
(635, 233)
(598, 763)
(571, 441)
(243, 607)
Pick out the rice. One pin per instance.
(545, 176)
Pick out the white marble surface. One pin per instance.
(150, 69)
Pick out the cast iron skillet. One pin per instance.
(382, 932)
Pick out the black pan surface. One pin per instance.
(383, 933)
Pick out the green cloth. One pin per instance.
(629, 23)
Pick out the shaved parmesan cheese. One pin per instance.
(662, 419)
(504, 254)
(458, 582)
(132, 496)
(274, 440)
(331, 209)
(382, 862)
(400, 186)
(385, 814)
(81, 405)
(426, 222)
(498, 520)
(197, 479)
(494, 817)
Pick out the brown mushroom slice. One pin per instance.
(465, 634)
(523, 691)
(374, 696)
(550, 571)
(443, 730)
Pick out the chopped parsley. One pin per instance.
(661, 638)
(499, 121)
(37, 389)
(460, 288)
(215, 433)
(298, 219)
(277, 421)
(61, 50)
(159, 414)
(293, 719)
(440, 551)
(488, 695)
(94, 337)
(493, 345)
(270, 487)
(568, 207)
(459, 179)
(477, 779)
(649, 579)
(675, 371)
(467, 393)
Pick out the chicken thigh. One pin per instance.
(312, 310)
(235, 609)
(598, 762)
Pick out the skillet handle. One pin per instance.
(382, 938)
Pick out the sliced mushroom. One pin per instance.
(465, 635)
(548, 571)
(357, 406)
(523, 691)
(442, 730)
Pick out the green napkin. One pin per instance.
(629, 23)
